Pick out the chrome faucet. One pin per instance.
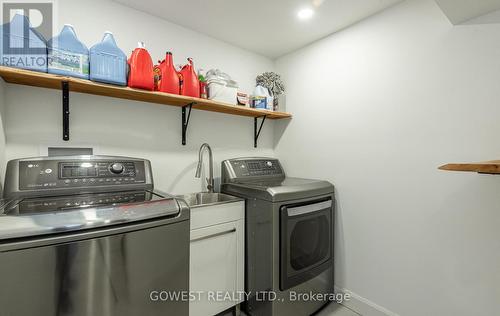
(210, 179)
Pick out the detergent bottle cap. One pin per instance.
(18, 14)
(20, 17)
(69, 28)
(141, 45)
(108, 36)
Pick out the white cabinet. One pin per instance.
(216, 269)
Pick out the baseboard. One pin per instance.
(362, 305)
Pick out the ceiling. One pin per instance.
(268, 27)
(461, 11)
(489, 18)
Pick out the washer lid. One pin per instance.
(29, 217)
(283, 190)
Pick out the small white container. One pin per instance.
(220, 87)
(219, 90)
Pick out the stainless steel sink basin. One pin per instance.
(207, 198)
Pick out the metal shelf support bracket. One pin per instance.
(65, 109)
(256, 132)
(185, 120)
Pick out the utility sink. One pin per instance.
(207, 198)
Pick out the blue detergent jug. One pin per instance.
(68, 56)
(19, 51)
(108, 63)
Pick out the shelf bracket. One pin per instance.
(256, 132)
(185, 120)
(65, 109)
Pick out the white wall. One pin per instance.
(133, 128)
(377, 108)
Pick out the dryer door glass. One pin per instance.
(306, 241)
(309, 242)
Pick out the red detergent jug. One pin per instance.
(169, 81)
(141, 74)
(190, 83)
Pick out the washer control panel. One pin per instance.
(75, 175)
(251, 169)
(53, 174)
(104, 169)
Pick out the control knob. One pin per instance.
(116, 168)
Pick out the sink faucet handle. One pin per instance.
(210, 184)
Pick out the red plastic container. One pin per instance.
(190, 83)
(169, 80)
(141, 74)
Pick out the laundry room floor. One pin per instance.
(333, 309)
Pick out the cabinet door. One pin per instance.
(214, 268)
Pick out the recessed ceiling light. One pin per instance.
(305, 13)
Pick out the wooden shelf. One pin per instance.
(488, 167)
(45, 80)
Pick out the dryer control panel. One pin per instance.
(251, 170)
